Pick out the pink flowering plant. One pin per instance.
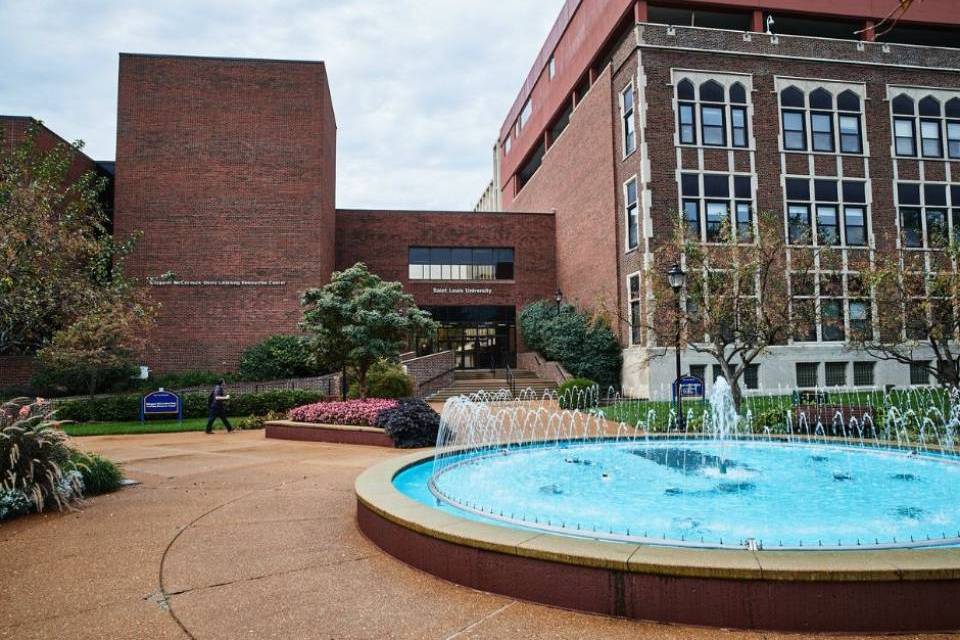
(351, 412)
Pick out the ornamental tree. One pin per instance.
(358, 319)
(58, 259)
(918, 318)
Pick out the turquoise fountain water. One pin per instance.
(522, 463)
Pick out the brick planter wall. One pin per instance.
(431, 373)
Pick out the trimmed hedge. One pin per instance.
(126, 408)
(586, 347)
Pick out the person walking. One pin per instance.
(217, 407)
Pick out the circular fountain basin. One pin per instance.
(747, 534)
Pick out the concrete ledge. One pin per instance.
(839, 591)
(334, 433)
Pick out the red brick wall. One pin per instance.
(576, 180)
(15, 371)
(227, 168)
(14, 131)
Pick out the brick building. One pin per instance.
(636, 113)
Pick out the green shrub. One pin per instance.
(99, 474)
(52, 382)
(385, 380)
(586, 347)
(578, 393)
(276, 358)
(126, 408)
(251, 423)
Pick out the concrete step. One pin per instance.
(469, 382)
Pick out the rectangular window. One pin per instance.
(507, 144)
(713, 130)
(855, 226)
(937, 232)
(460, 263)
(738, 126)
(717, 372)
(631, 215)
(794, 133)
(629, 128)
(930, 144)
(920, 372)
(799, 223)
(807, 373)
(633, 291)
(699, 371)
(860, 318)
(835, 374)
(828, 229)
(551, 67)
(688, 124)
(850, 137)
(831, 321)
(953, 141)
(717, 215)
(863, 374)
(904, 137)
(751, 376)
(911, 227)
(691, 217)
(744, 222)
(821, 128)
(525, 114)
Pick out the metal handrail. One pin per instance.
(511, 381)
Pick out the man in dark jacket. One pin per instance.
(217, 407)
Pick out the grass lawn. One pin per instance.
(150, 426)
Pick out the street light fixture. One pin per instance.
(558, 297)
(677, 278)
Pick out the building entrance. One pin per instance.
(482, 337)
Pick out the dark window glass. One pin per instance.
(794, 135)
(633, 231)
(935, 194)
(688, 124)
(828, 229)
(691, 217)
(738, 126)
(920, 373)
(738, 95)
(462, 256)
(504, 264)
(744, 222)
(716, 186)
(419, 255)
(821, 99)
(741, 187)
(685, 90)
(717, 215)
(908, 193)
(821, 128)
(855, 224)
(807, 374)
(690, 184)
(854, 191)
(911, 227)
(863, 373)
(929, 106)
(953, 108)
(937, 232)
(799, 223)
(825, 190)
(904, 137)
(635, 322)
(930, 144)
(848, 101)
(831, 327)
(798, 189)
(835, 374)
(903, 104)
(955, 194)
(712, 126)
(791, 97)
(711, 91)
(850, 138)
(751, 376)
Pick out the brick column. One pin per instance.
(640, 11)
(756, 21)
(869, 31)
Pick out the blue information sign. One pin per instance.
(160, 403)
(690, 387)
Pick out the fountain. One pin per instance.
(777, 494)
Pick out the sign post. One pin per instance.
(688, 387)
(159, 403)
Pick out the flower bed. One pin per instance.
(350, 412)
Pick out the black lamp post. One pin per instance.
(677, 278)
(558, 297)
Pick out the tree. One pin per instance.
(358, 319)
(917, 323)
(57, 257)
(737, 300)
(104, 342)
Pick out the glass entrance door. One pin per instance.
(479, 337)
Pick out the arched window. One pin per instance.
(821, 99)
(903, 104)
(953, 133)
(953, 108)
(738, 95)
(848, 101)
(686, 112)
(930, 106)
(685, 90)
(792, 97)
(711, 91)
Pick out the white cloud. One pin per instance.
(420, 87)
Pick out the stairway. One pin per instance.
(467, 382)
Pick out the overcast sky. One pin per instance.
(420, 87)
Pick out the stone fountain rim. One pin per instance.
(376, 492)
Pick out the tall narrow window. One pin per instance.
(525, 114)
(712, 121)
(738, 126)
(911, 226)
(799, 223)
(794, 134)
(631, 214)
(821, 129)
(850, 136)
(629, 128)
(717, 215)
(828, 228)
(633, 291)
(686, 112)
(930, 143)
(904, 137)
(855, 225)
(953, 129)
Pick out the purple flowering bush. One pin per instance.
(352, 412)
